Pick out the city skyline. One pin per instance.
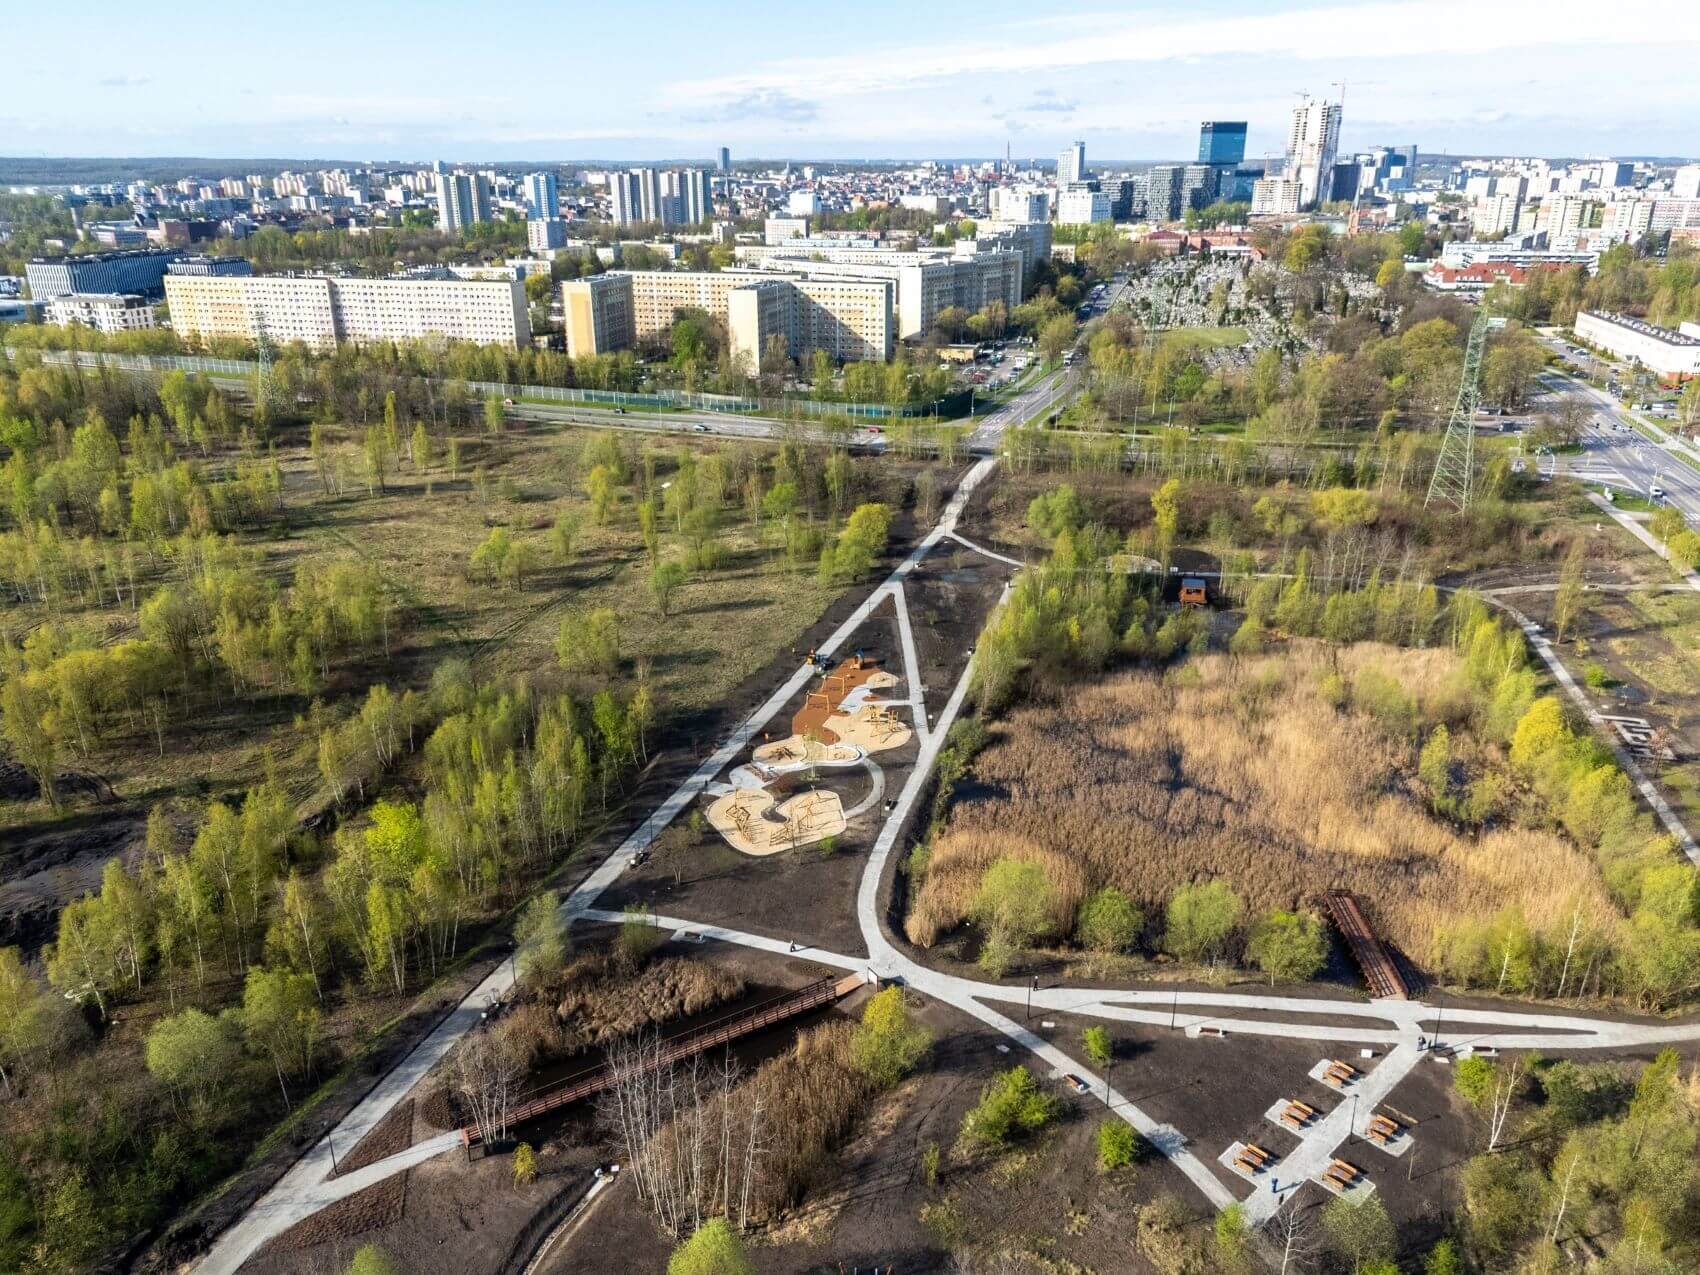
(1133, 85)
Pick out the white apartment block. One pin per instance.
(1565, 214)
(1012, 204)
(1666, 352)
(928, 280)
(1311, 147)
(102, 311)
(1081, 206)
(1686, 183)
(1276, 196)
(1496, 215)
(776, 230)
(322, 312)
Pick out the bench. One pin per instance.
(1344, 1174)
(1255, 1152)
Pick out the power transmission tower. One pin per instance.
(1454, 481)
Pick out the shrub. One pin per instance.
(1473, 1078)
(1096, 1040)
(1011, 1106)
(1109, 921)
(1199, 921)
(1014, 902)
(1118, 1145)
(887, 1045)
(1288, 946)
(712, 1249)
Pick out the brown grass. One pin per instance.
(1240, 769)
(598, 998)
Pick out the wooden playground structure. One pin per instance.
(754, 823)
(814, 720)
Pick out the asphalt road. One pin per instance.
(1617, 454)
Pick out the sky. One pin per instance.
(677, 79)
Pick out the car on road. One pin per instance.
(700, 427)
(1656, 492)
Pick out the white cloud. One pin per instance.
(1338, 33)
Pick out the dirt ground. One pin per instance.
(805, 894)
(1044, 1197)
(1646, 644)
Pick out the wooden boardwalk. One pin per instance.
(696, 1041)
(1379, 969)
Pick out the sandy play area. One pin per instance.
(753, 823)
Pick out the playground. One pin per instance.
(837, 727)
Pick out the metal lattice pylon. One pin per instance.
(1454, 480)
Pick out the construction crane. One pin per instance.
(1454, 481)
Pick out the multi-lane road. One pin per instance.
(1623, 453)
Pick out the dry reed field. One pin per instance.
(1244, 770)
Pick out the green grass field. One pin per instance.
(1205, 338)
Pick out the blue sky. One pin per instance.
(664, 79)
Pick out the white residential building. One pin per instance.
(463, 199)
(1071, 165)
(1686, 183)
(1666, 352)
(776, 230)
(102, 311)
(625, 209)
(1312, 144)
(1496, 215)
(1080, 205)
(1019, 205)
(927, 279)
(322, 312)
(1276, 196)
(802, 203)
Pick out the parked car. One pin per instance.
(1075, 1083)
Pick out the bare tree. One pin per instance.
(1504, 1093)
(1291, 1233)
(487, 1074)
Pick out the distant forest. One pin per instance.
(33, 170)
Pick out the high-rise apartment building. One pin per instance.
(1275, 196)
(686, 198)
(1221, 142)
(1311, 147)
(626, 203)
(1163, 184)
(1686, 183)
(598, 314)
(725, 160)
(1071, 165)
(322, 312)
(649, 194)
(463, 199)
(1200, 184)
(542, 195)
